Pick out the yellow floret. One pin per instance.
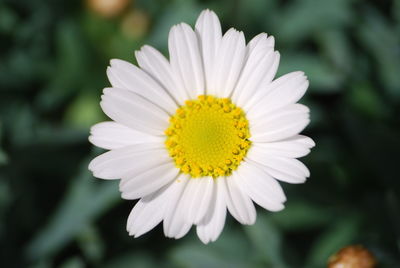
(208, 137)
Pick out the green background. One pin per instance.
(53, 56)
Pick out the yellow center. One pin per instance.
(208, 137)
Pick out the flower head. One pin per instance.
(207, 132)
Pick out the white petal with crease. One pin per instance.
(259, 69)
(185, 59)
(175, 225)
(133, 78)
(197, 198)
(279, 125)
(260, 187)
(296, 171)
(134, 111)
(111, 135)
(228, 63)
(211, 226)
(148, 212)
(257, 77)
(129, 160)
(239, 204)
(293, 147)
(208, 28)
(156, 65)
(287, 89)
(147, 182)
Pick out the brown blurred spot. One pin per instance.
(135, 24)
(355, 256)
(108, 8)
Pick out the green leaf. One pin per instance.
(379, 37)
(176, 12)
(73, 262)
(322, 76)
(230, 250)
(340, 234)
(8, 19)
(6, 199)
(335, 45)
(198, 257)
(136, 259)
(267, 240)
(366, 100)
(301, 215)
(71, 67)
(304, 17)
(92, 245)
(83, 203)
(3, 155)
(84, 111)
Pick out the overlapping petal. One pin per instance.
(186, 60)
(147, 182)
(124, 106)
(125, 75)
(228, 64)
(148, 212)
(209, 32)
(112, 135)
(159, 68)
(260, 187)
(287, 89)
(259, 68)
(239, 203)
(293, 147)
(280, 124)
(175, 225)
(212, 224)
(197, 198)
(129, 161)
(282, 168)
(142, 100)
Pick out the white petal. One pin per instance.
(285, 90)
(158, 67)
(208, 28)
(259, 75)
(133, 78)
(228, 63)
(260, 187)
(114, 80)
(148, 182)
(209, 229)
(197, 198)
(259, 70)
(132, 110)
(284, 169)
(260, 42)
(129, 161)
(148, 212)
(293, 147)
(174, 224)
(185, 58)
(263, 117)
(278, 125)
(239, 204)
(111, 135)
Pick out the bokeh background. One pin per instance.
(53, 56)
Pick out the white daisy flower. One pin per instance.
(205, 132)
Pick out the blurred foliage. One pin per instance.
(53, 58)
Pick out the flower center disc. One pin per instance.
(208, 137)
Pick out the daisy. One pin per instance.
(207, 132)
